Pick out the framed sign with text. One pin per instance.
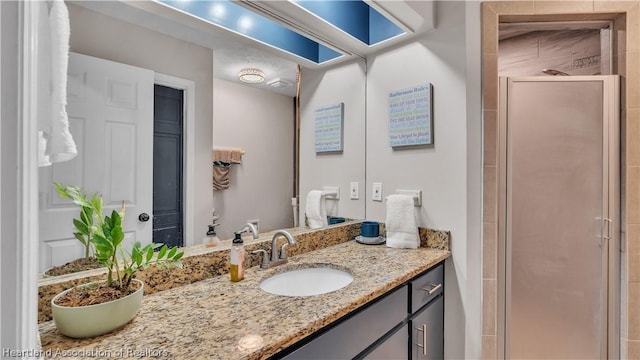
(329, 128)
(411, 116)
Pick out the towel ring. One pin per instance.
(416, 194)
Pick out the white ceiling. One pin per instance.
(232, 52)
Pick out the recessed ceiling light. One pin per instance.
(251, 75)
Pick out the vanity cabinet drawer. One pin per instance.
(352, 336)
(426, 287)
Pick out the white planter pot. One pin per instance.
(94, 320)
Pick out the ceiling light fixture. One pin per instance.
(251, 75)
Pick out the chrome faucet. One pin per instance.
(275, 259)
(249, 227)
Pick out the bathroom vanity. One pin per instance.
(394, 294)
(406, 323)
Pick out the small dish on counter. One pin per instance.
(371, 241)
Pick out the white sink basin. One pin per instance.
(307, 281)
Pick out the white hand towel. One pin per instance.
(315, 209)
(53, 122)
(61, 144)
(402, 229)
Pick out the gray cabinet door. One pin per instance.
(396, 347)
(427, 332)
(352, 336)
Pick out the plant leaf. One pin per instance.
(82, 227)
(149, 253)
(172, 252)
(116, 219)
(163, 250)
(117, 236)
(80, 238)
(81, 201)
(86, 215)
(62, 191)
(96, 202)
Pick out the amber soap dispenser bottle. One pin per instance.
(237, 255)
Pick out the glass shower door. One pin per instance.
(556, 190)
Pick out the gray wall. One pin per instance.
(100, 36)
(448, 173)
(261, 123)
(345, 83)
(440, 171)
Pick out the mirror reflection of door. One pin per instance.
(167, 166)
(110, 110)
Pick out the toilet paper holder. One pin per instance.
(416, 194)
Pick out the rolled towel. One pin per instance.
(315, 210)
(402, 228)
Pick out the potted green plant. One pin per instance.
(84, 229)
(97, 308)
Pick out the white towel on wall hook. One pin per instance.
(55, 143)
(401, 224)
(315, 209)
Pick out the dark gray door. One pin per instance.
(167, 166)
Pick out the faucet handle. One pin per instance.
(265, 257)
(283, 254)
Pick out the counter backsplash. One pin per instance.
(202, 262)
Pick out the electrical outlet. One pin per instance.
(355, 192)
(377, 192)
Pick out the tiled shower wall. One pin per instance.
(575, 52)
(626, 62)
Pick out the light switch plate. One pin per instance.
(354, 194)
(377, 192)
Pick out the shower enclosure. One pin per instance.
(559, 217)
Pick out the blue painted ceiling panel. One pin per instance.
(326, 54)
(351, 17)
(355, 18)
(238, 19)
(381, 28)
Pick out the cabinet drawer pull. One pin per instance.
(423, 328)
(433, 288)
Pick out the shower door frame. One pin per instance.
(611, 210)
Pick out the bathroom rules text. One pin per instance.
(410, 116)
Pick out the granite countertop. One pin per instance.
(217, 319)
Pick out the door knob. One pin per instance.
(144, 217)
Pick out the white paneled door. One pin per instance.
(110, 108)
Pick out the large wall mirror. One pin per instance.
(182, 53)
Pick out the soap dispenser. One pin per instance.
(237, 255)
(211, 239)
